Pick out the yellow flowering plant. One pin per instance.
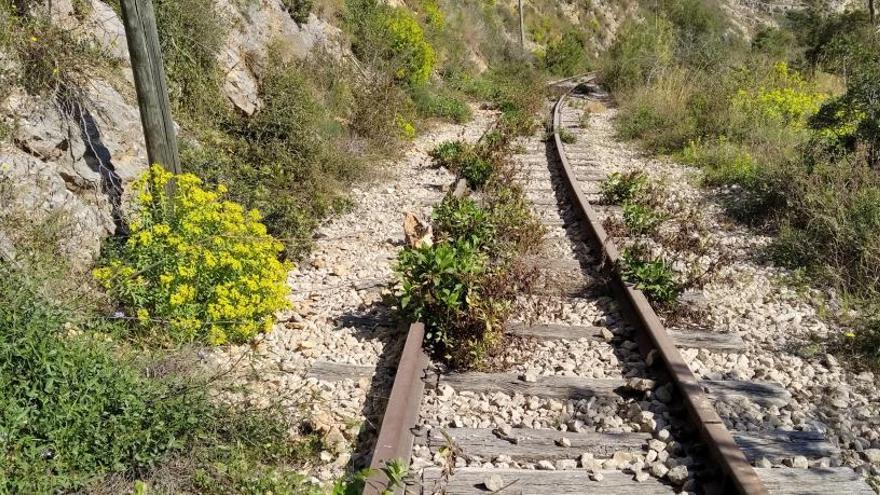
(195, 263)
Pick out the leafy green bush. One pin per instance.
(566, 55)
(201, 265)
(285, 160)
(641, 50)
(723, 163)
(47, 59)
(474, 163)
(441, 286)
(392, 39)
(70, 411)
(448, 153)
(463, 219)
(431, 102)
(567, 136)
(641, 219)
(299, 9)
(620, 188)
(654, 276)
(191, 34)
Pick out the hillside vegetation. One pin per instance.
(787, 124)
(99, 364)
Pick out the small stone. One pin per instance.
(678, 475)
(663, 435)
(872, 455)
(607, 335)
(564, 464)
(546, 466)
(530, 377)
(656, 445)
(588, 462)
(640, 384)
(493, 482)
(659, 470)
(663, 394)
(641, 476)
(764, 463)
(596, 476)
(798, 461)
(563, 442)
(651, 358)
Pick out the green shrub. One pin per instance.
(434, 103)
(286, 160)
(70, 411)
(642, 49)
(464, 220)
(203, 266)
(723, 163)
(620, 188)
(442, 286)
(654, 276)
(49, 59)
(474, 163)
(191, 34)
(566, 55)
(299, 9)
(567, 136)
(641, 219)
(519, 231)
(392, 39)
(448, 153)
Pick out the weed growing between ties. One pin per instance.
(462, 284)
(667, 240)
(785, 127)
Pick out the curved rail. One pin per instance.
(740, 475)
(395, 440)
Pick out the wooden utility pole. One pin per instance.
(872, 12)
(149, 81)
(522, 25)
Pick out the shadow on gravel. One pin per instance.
(375, 322)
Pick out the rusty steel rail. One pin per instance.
(395, 440)
(396, 434)
(740, 476)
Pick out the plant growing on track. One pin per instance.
(463, 219)
(652, 275)
(567, 136)
(442, 286)
(201, 265)
(641, 219)
(473, 162)
(395, 471)
(620, 188)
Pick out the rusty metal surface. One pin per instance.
(741, 477)
(395, 441)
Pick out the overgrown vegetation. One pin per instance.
(462, 284)
(90, 405)
(84, 409)
(197, 266)
(787, 125)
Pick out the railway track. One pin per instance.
(595, 396)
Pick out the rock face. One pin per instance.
(74, 161)
(256, 26)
